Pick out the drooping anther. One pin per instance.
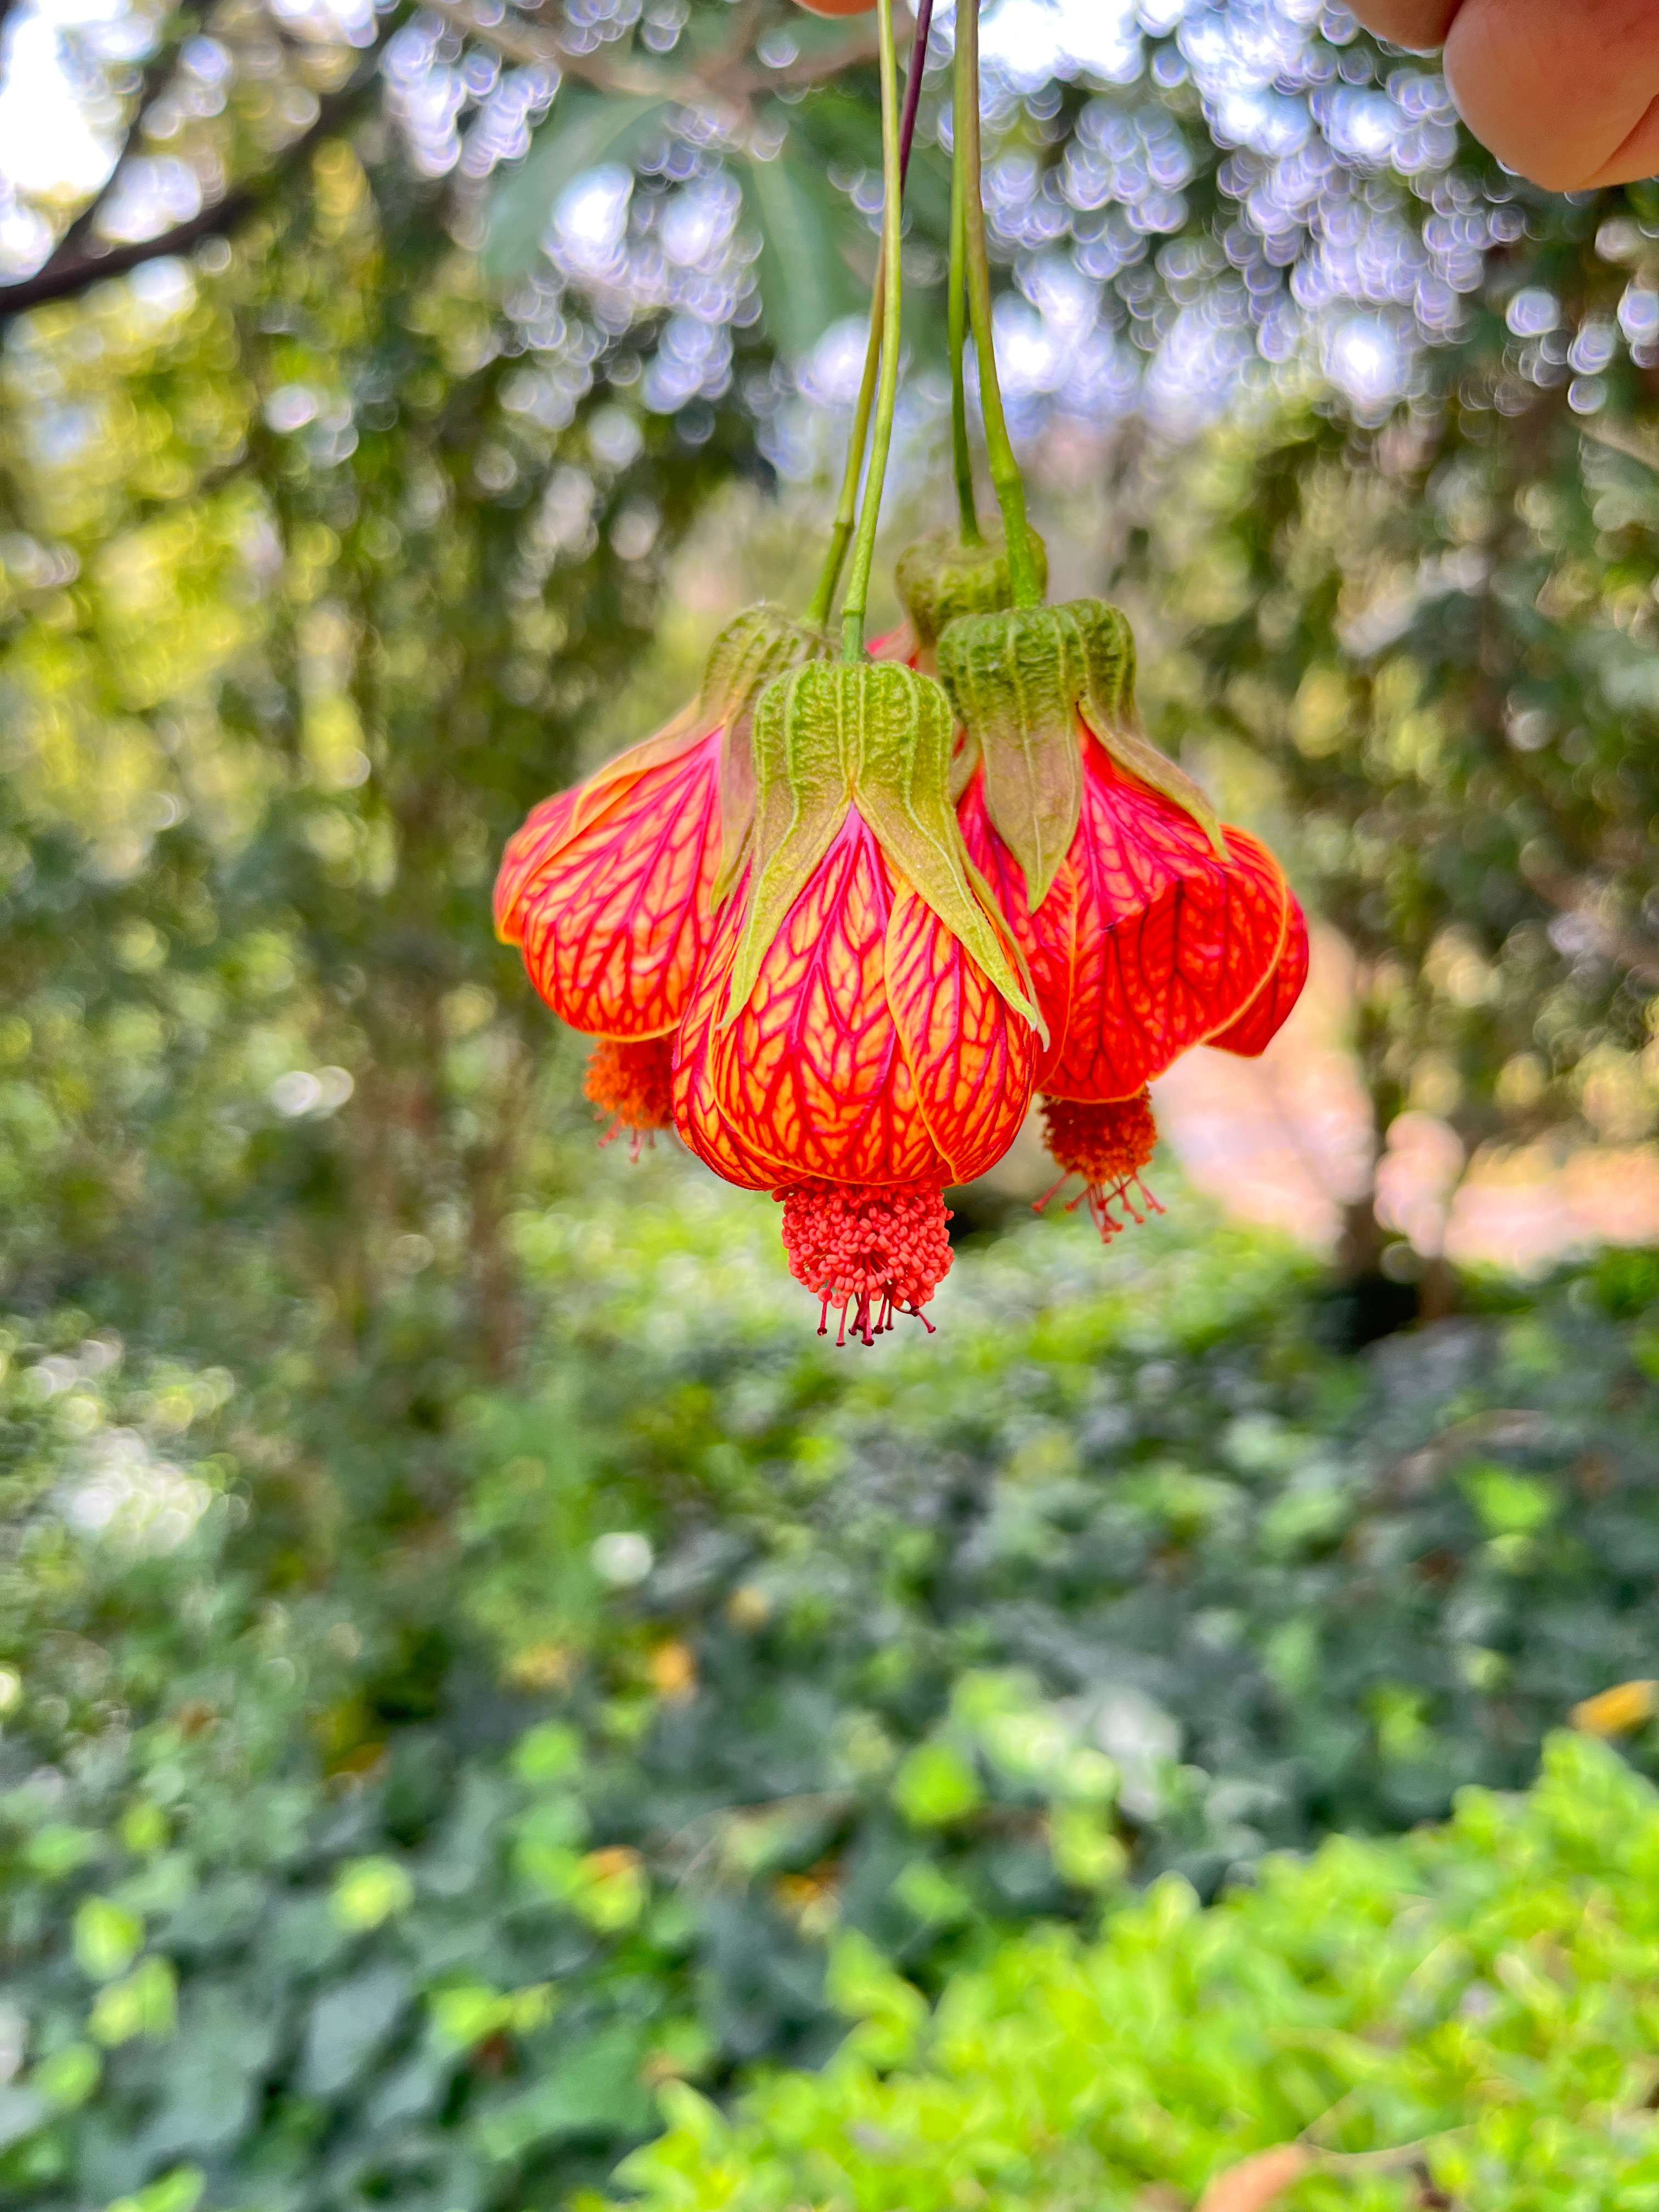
(635, 1084)
(1107, 1146)
(868, 1252)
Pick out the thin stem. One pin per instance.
(1004, 468)
(846, 507)
(864, 548)
(912, 86)
(840, 535)
(962, 452)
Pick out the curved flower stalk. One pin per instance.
(610, 890)
(859, 1037)
(1147, 926)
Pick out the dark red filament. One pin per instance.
(633, 1084)
(1108, 1145)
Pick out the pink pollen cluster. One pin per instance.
(881, 1249)
(1107, 1146)
(635, 1083)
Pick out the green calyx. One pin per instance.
(1020, 681)
(832, 734)
(757, 646)
(941, 579)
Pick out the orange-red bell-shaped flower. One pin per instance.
(609, 890)
(1146, 927)
(858, 1036)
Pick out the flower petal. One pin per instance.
(612, 923)
(1174, 972)
(1047, 938)
(1132, 844)
(1262, 1019)
(551, 825)
(697, 1116)
(972, 1061)
(529, 850)
(808, 1074)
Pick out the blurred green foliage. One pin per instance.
(468, 1659)
(1477, 1998)
(1429, 644)
(423, 1881)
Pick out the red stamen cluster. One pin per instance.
(881, 1249)
(636, 1083)
(1107, 1146)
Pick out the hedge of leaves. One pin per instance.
(308, 1903)
(1464, 2017)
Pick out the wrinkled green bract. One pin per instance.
(878, 736)
(761, 643)
(1485, 1991)
(1021, 681)
(939, 579)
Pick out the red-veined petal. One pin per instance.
(697, 1116)
(546, 828)
(809, 1073)
(1172, 974)
(1266, 1015)
(1048, 938)
(971, 1059)
(613, 924)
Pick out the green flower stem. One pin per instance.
(864, 550)
(841, 536)
(1004, 468)
(846, 507)
(960, 449)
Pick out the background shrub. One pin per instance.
(423, 1882)
(1479, 1997)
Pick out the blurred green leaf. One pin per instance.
(593, 2087)
(107, 1937)
(586, 130)
(370, 1891)
(806, 282)
(936, 1784)
(143, 2003)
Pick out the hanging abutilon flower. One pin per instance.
(610, 890)
(858, 1036)
(1147, 926)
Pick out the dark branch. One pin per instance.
(61, 279)
(71, 247)
(727, 77)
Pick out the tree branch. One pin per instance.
(76, 262)
(515, 41)
(530, 45)
(157, 70)
(61, 279)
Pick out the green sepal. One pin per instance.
(761, 643)
(1019, 682)
(940, 579)
(903, 792)
(830, 733)
(803, 788)
(964, 762)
